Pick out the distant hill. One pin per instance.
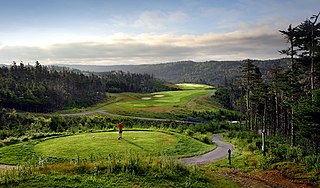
(209, 72)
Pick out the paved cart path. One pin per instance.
(220, 152)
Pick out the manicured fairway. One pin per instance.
(167, 99)
(158, 104)
(159, 99)
(194, 86)
(102, 144)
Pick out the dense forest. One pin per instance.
(118, 81)
(286, 102)
(209, 72)
(42, 89)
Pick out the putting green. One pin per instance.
(102, 144)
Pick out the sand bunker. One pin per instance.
(146, 98)
(158, 96)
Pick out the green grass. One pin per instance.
(100, 145)
(158, 104)
(188, 86)
(132, 171)
(168, 99)
(141, 159)
(18, 153)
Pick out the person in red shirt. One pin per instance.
(120, 130)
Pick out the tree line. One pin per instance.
(43, 89)
(119, 81)
(286, 101)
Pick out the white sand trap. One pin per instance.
(158, 96)
(146, 98)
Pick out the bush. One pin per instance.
(294, 154)
(189, 132)
(251, 147)
(278, 152)
(312, 162)
(206, 139)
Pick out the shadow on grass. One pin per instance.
(132, 143)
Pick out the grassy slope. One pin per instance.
(180, 102)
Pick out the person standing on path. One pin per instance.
(120, 130)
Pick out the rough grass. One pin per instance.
(131, 171)
(249, 159)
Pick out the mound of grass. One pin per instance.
(101, 145)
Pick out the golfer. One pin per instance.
(120, 130)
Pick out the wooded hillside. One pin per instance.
(209, 72)
(42, 89)
(286, 102)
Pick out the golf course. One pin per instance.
(140, 94)
(84, 150)
(166, 104)
(142, 141)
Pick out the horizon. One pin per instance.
(61, 65)
(123, 32)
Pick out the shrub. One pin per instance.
(312, 162)
(189, 132)
(206, 139)
(251, 147)
(294, 154)
(4, 134)
(278, 152)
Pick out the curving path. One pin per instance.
(220, 152)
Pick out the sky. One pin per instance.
(114, 32)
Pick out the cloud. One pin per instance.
(153, 20)
(154, 48)
(157, 19)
